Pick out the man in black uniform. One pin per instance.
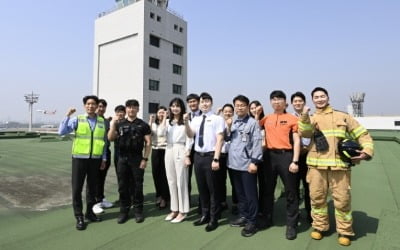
(133, 135)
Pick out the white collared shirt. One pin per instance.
(213, 125)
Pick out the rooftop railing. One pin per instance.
(124, 3)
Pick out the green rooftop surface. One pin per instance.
(36, 212)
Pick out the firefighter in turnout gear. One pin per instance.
(327, 127)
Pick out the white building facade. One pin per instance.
(140, 52)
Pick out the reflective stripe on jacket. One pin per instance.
(88, 143)
(335, 125)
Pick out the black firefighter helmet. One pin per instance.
(348, 148)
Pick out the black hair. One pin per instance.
(298, 94)
(257, 103)
(104, 102)
(157, 121)
(277, 94)
(93, 97)
(241, 98)
(205, 96)
(181, 104)
(132, 103)
(319, 89)
(119, 108)
(228, 105)
(192, 96)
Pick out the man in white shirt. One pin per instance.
(208, 132)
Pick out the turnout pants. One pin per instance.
(338, 181)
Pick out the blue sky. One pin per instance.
(235, 47)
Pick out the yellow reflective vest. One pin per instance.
(335, 125)
(88, 143)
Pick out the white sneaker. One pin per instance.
(97, 208)
(106, 204)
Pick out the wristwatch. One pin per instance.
(145, 159)
(215, 160)
(295, 162)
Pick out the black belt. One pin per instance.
(280, 151)
(223, 154)
(203, 154)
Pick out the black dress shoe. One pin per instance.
(249, 230)
(239, 222)
(291, 233)
(139, 218)
(264, 222)
(80, 223)
(122, 218)
(203, 220)
(92, 217)
(211, 226)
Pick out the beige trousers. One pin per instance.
(177, 176)
(339, 183)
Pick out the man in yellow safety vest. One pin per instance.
(88, 153)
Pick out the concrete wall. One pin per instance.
(122, 50)
(380, 122)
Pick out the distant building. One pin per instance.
(380, 122)
(140, 52)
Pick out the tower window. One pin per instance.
(153, 107)
(154, 63)
(177, 49)
(155, 41)
(154, 85)
(176, 89)
(176, 69)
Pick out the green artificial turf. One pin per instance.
(375, 189)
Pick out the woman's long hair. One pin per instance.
(257, 103)
(179, 102)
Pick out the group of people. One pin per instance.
(238, 141)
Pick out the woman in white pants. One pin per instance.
(176, 162)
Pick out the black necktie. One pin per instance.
(201, 132)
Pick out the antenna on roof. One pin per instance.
(357, 101)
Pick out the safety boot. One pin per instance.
(344, 240)
(316, 234)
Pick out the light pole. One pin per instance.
(31, 99)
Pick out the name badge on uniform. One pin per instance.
(244, 136)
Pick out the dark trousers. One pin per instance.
(222, 174)
(101, 181)
(246, 190)
(261, 183)
(159, 174)
(206, 182)
(190, 167)
(84, 169)
(277, 163)
(303, 169)
(130, 183)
